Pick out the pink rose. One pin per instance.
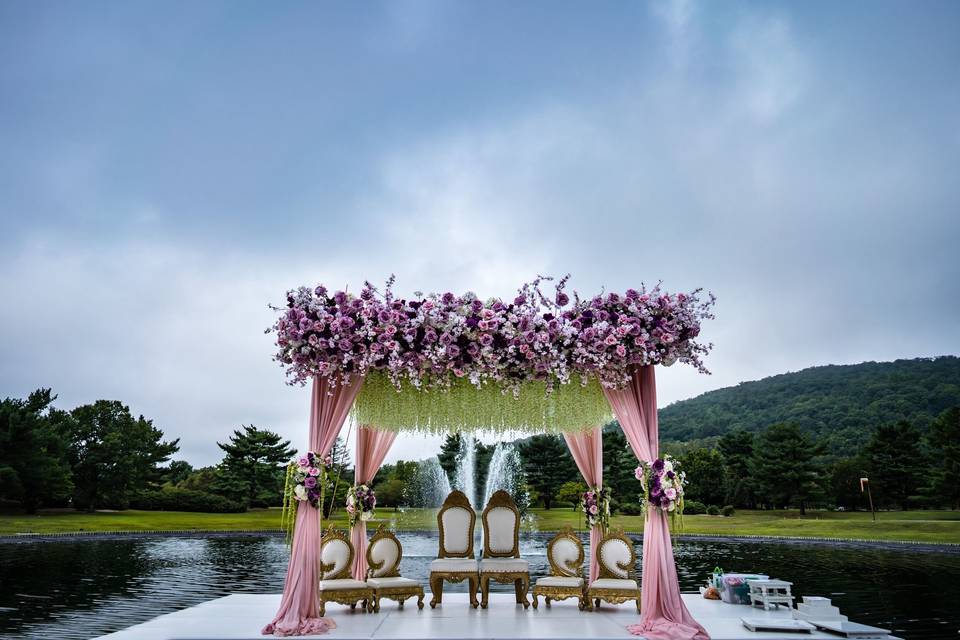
(303, 462)
(351, 509)
(594, 510)
(313, 471)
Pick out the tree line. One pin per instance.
(99, 456)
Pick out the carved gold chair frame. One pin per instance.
(456, 499)
(399, 594)
(520, 579)
(350, 597)
(572, 569)
(615, 596)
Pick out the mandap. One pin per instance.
(542, 362)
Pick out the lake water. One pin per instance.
(82, 589)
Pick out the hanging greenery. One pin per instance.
(463, 406)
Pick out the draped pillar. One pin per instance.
(372, 447)
(587, 452)
(299, 612)
(663, 614)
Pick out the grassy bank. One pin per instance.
(920, 526)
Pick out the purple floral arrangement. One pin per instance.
(663, 483)
(595, 504)
(361, 502)
(432, 339)
(306, 476)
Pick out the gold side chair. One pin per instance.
(501, 549)
(565, 555)
(616, 582)
(336, 583)
(455, 562)
(384, 553)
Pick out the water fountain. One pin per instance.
(465, 477)
(504, 471)
(430, 486)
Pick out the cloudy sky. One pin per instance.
(169, 169)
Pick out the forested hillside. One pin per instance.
(840, 404)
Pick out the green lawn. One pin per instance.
(921, 526)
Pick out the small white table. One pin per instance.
(770, 593)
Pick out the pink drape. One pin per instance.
(372, 447)
(587, 451)
(299, 613)
(663, 614)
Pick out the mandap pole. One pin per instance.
(865, 482)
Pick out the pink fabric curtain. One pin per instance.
(372, 447)
(663, 614)
(587, 451)
(299, 613)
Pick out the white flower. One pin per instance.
(366, 515)
(300, 492)
(673, 505)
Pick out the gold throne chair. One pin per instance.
(501, 559)
(616, 582)
(384, 553)
(455, 562)
(336, 583)
(565, 555)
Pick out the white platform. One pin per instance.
(241, 616)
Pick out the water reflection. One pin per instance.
(88, 588)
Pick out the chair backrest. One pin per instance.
(565, 554)
(501, 527)
(383, 554)
(336, 555)
(456, 520)
(616, 556)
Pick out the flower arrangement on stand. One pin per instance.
(595, 503)
(306, 481)
(361, 502)
(663, 484)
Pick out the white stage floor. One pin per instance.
(241, 616)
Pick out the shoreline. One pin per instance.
(892, 545)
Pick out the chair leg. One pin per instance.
(323, 608)
(484, 591)
(535, 594)
(522, 586)
(473, 591)
(420, 600)
(638, 605)
(436, 588)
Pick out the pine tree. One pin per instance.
(619, 463)
(782, 468)
(252, 468)
(895, 462)
(114, 455)
(548, 465)
(704, 469)
(33, 465)
(944, 438)
(736, 447)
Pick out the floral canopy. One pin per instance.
(446, 362)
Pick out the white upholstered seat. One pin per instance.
(389, 583)
(503, 564)
(613, 583)
(453, 564)
(560, 581)
(342, 583)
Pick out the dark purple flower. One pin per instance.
(562, 298)
(520, 300)
(310, 482)
(340, 297)
(448, 298)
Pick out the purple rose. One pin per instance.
(520, 300)
(448, 298)
(562, 298)
(310, 482)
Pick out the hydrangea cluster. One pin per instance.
(663, 484)
(595, 504)
(361, 502)
(433, 339)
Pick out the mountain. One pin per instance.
(842, 404)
